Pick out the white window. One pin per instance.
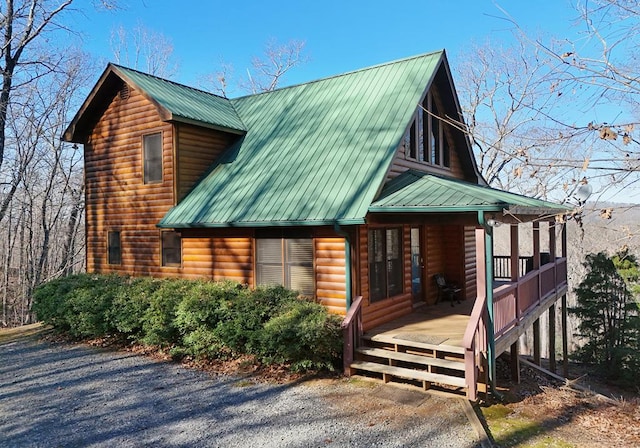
(287, 262)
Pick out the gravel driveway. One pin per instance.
(59, 395)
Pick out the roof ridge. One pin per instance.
(179, 84)
(351, 72)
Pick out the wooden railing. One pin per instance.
(352, 333)
(502, 266)
(475, 347)
(512, 301)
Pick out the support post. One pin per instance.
(536, 341)
(552, 338)
(536, 245)
(515, 363)
(515, 253)
(565, 339)
(484, 253)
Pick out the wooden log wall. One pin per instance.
(470, 270)
(330, 271)
(116, 197)
(197, 148)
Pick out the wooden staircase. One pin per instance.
(400, 359)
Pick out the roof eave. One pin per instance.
(432, 209)
(185, 120)
(247, 224)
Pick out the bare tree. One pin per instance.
(144, 49)
(266, 72)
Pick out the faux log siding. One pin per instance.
(454, 248)
(197, 148)
(470, 262)
(116, 198)
(378, 313)
(434, 260)
(330, 272)
(218, 259)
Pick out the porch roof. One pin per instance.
(418, 192)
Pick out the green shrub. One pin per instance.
(199, 318)
(304, 335)
(77, 304)
(158, 321)
(243, 317)
(130, 305)
(50, 300)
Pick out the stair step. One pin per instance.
(423, 345)
(409, 374)
(415, 359)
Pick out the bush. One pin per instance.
(159, 319)
(199, 318)
(304, 335)
(244, 316)
(77, 304)
(130, 305)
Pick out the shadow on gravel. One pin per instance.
(65, 395)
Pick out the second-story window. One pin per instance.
(152, 155)
(426, 140)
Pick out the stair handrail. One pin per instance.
(475, 346)
(352, 333)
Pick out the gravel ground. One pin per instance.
(60, 395)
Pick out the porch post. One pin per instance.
(552, 309)
(484, 252)
(536, 245)
(552, 338)
(565, 341)
(565, 331)
(515, 274)
(536, 341)
(515, 253)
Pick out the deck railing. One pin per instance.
(512, 301)
(475, 347)
(352, 333)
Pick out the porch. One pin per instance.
(450, 345)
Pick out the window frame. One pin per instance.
(111, 259)
(166, 250)
(286, 264)
(146, 180)
(385, 287)
(423, 144)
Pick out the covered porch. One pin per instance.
(456, 346)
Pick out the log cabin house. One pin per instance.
(355, 190)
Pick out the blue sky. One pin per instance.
(340, 35)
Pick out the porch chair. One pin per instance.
(449, 290)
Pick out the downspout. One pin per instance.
(488, 244)
(347, 261)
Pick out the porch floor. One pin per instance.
(440, 324)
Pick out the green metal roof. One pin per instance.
(315, 153)
(415, 191)
(185, 103)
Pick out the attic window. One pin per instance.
(125, 92)
(426, 140)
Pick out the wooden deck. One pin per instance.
(439, 324)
